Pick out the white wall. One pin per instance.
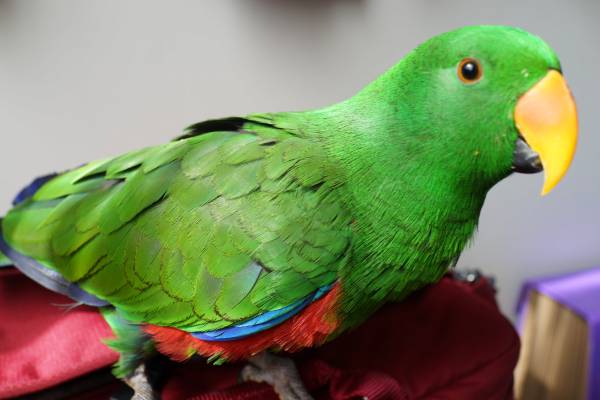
(81, 80)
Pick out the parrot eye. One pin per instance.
(469, 70)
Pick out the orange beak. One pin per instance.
(546, 117)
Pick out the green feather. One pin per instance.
(130, 342)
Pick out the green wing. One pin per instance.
(199, 233)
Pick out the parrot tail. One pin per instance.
(47, 277)
(28, 191)
(25, 193)
(35, 270)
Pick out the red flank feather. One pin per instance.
(308, 328)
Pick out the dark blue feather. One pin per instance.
(28, 191)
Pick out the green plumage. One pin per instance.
(130, 341)
(380, 192)
(196, 234)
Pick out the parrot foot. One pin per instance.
(138, 381)
(279, 372)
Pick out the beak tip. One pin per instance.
(548, 187)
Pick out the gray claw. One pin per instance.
(279, 372)
(138, 381)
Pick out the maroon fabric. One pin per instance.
(445, 342)
(41, 343)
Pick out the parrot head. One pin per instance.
(488, 100)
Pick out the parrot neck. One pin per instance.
(414, 208)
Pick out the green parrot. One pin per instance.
(279, 231)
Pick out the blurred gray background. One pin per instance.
(82, 80)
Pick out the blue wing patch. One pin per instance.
(263, 321)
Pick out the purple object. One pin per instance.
(580, 292)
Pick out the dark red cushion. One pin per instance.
(42, 342)
(448, 341)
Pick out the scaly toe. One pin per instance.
(280, 373)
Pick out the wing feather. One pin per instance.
(201, 234)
